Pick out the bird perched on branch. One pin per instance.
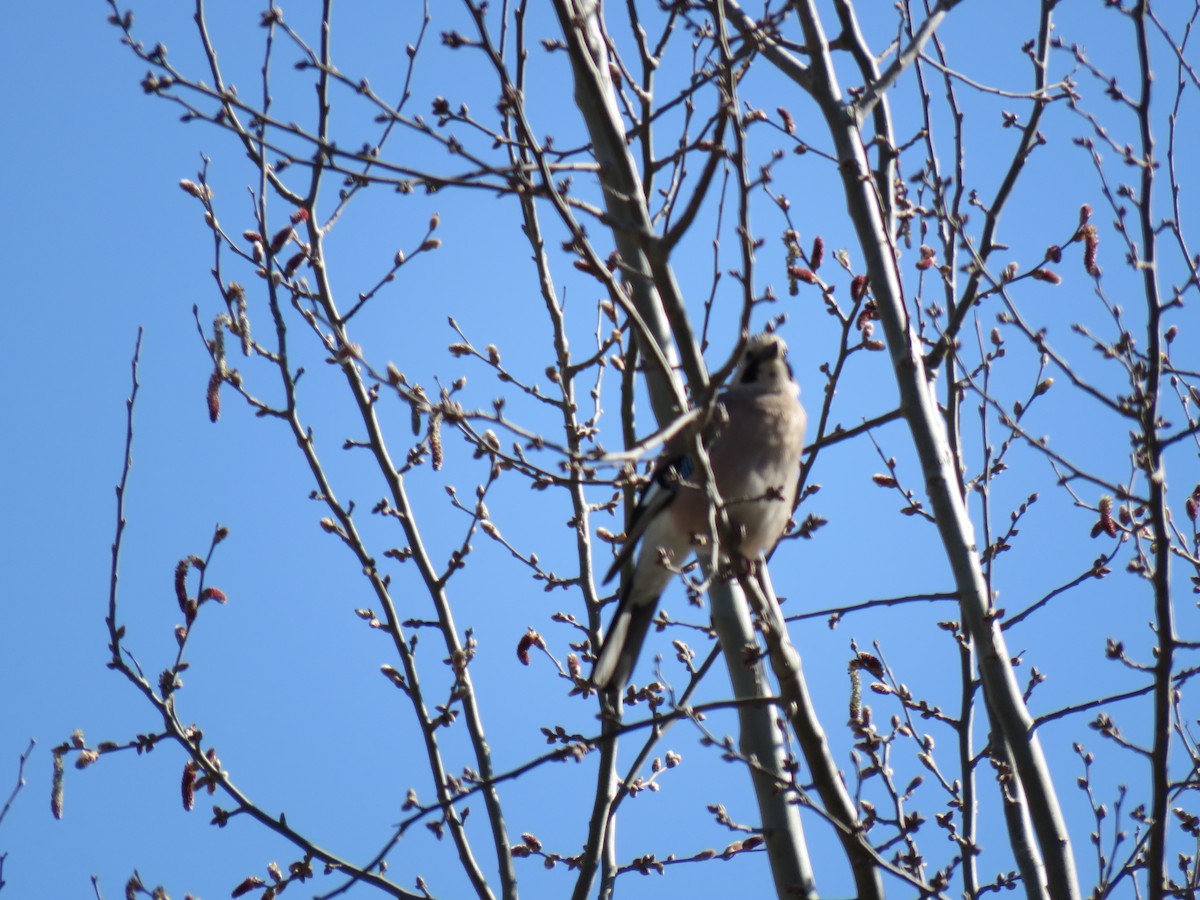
(754, 455)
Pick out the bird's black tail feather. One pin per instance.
(622, 645)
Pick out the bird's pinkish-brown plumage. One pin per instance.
(754, 453)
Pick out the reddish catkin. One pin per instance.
(789, 124)
(1046, 275)
(1091, 242)
(529, 639)
(181, 597)
(188, 787)
(435, 441)
(805, 275)
(281, 239)
(293, 264)
(56, 790)
(870, 662)
(818, 253)
(858, 287)
(523, 648)
(250, 884)
(213, 396)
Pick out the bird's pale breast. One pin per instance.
(755, 458)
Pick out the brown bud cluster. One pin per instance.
(1105, 525)
(529, 639)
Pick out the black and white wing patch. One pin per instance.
(653, 501)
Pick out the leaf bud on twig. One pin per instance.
(199, 192)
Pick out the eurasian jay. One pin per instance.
(754, 456)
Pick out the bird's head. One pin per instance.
(764, 366)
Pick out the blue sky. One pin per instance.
(284, 680)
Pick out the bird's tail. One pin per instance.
(622, 644)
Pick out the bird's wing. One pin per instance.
(656, 496)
